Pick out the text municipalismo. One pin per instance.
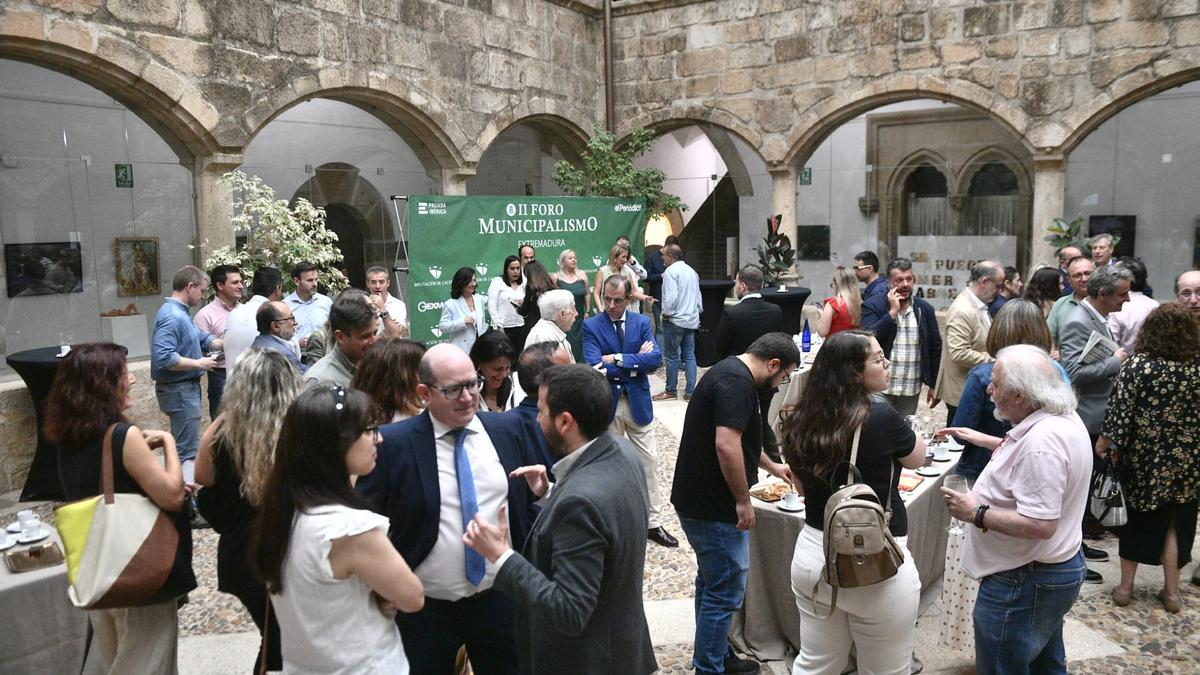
(537, 225)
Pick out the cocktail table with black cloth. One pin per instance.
(791, 302)
(37, 368)
(712, 296)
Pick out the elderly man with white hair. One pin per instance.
(1026, 507)
(558, 312)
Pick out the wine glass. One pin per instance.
(956, 483)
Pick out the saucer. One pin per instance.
(951, 443)
(7, 541)
(22, 539)
(783, 507)
(941, 459)
(928, 472)
(14, 527)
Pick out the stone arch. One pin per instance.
(718, 135)
(911, 163)
(825, 116)
(178, 113)
(993, 153)
(338, 186)
(667, 119)
(1100, 109)
(427, 127)
(565, 132)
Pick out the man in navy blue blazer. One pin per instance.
(534, 359)
(621, 345)
(434, 472)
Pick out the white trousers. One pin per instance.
(880, 620)
(642, 438)
(137, 639)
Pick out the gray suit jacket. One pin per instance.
(1093, 382)
(578, 582)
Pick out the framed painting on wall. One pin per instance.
(43, 269)
(137, 266)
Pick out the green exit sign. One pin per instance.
(124, 175)
(806, 176)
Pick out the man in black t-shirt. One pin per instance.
(719, 455)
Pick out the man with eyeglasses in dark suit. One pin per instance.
(434, 472)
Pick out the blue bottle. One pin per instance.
(805, 339)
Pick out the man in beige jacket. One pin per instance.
(967, 325)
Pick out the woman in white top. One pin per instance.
(504, 298)
(335, 579)
(618, 264)
(463, 314)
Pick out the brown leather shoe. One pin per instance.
(665, 396)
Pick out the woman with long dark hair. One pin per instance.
(1044, 288)
(333, 575)
(234, 461)
(816, 439)
(92, 391)
(463, 315)
(493, 356)
(388, 373)
(1151, 428)
(505, 296)
(537, 281)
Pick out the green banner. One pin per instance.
(446, 233)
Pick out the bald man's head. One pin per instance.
(450, 384)
(1187, 290)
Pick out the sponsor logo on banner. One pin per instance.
(511, 210)
(596, 260)
(628, 208)
(437, 332)
(435, 271)
(429, 306)
(481, 268)
(431, 208)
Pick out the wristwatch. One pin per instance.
(384, 315)
(619, 358)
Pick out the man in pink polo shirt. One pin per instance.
(1026, 507)
(227, 281)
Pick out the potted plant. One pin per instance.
(278, 235)
(775, 253)
(1062, 234)
(608, 171)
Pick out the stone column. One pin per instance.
(1049, 193)
(783, 202)
(454, 181)
(214, 208)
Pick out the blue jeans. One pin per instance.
(679, 339)
(658, 329)
(722, 556)
(181, 402)
(1019, 617)
(216, 389)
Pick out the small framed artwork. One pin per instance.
(812, 242)
(137, 266)
(43, 269)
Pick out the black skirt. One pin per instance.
(1143, 537)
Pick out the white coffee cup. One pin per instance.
(941, 453)
(31, 525)
(791, 500)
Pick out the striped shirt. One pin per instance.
(906, 355)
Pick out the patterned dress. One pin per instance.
(1153, 422)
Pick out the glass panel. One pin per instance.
(64, 142)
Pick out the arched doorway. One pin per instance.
(348, 223)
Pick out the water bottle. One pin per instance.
(805, 339)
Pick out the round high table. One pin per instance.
(37, 367)
(791, 301)
(712, 295)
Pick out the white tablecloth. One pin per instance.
(768, 625)
(42, 631)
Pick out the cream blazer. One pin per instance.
(963, 347)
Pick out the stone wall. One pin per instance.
(784, 73)
(452, 75)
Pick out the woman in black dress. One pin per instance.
(537, 281)
(234, 461)
(91, 393)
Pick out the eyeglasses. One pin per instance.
(881, 361)
(787, 379)
(1080, 275)
(286, 318)
(376, 435)
(456, 390)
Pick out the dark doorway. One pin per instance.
(348, 224)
